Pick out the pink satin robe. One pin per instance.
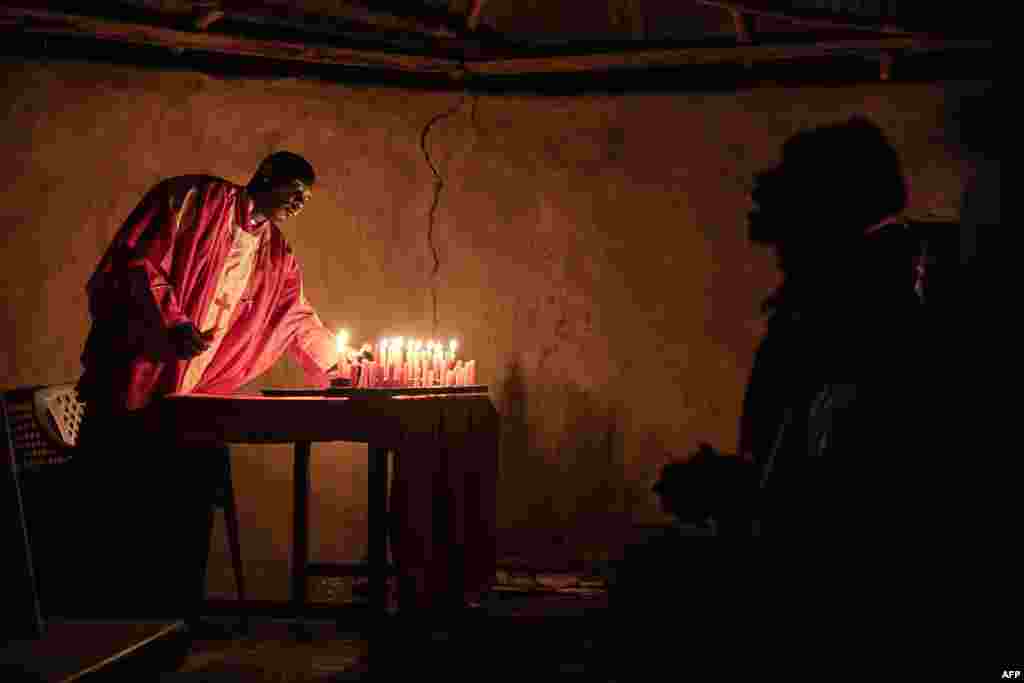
(162, 269)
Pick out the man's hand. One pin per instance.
(335, 375)
(189, 342)
(708, 484)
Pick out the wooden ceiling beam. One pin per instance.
(742, 54)
(385, 21)
(293, 16)
(43, 22)
(769, 10)
(31, 20)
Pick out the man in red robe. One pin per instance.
(199, 292)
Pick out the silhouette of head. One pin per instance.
(832, 184)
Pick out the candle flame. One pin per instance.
(452, 345)
(342, 340)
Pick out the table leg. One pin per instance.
(300, 534)
(378, 528)
(231, 524)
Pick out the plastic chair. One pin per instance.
(44, 423)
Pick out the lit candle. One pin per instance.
(452, 345)
(364, 366)
(410, 349)
(342, 341)
(421, 362)
(471, 372)
(410, 362)
(394, 358)
(389, 370)
(460, 373)
(396, 349)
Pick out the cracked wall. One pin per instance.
(592, 259)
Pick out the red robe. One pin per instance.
(162, 269)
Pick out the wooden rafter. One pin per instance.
(746, 54)
(268, 12)
(769, 10)
(45, 22)
(353, 12)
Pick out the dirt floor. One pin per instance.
(511, 635)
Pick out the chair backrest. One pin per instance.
(44, 423)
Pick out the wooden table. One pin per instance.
(412, 429)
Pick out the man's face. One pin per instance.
(285, 199)
(680, 494)
(784, 207)
(772, 206)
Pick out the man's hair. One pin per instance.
(284, 166)
(850, 167)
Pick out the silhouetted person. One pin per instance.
(836, 408)
(833, 446)
(832, 412)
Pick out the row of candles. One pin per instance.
(398, 362)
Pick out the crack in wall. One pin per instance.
(439, 182)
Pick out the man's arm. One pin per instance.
(311, 344)
(132, 281)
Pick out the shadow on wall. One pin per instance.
(562, 503)
(517, 448)
(590, 450)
